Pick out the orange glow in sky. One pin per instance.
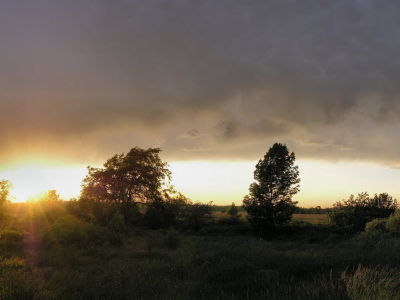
(223, 182)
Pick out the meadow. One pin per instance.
(66, 258)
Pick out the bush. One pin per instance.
(197, 215)
(355, 213)
(93, 212)
(68, 230)
(376, 227)
(393, 224)
(161, 214)
(117, 223)
(172, 240)
(233, 211)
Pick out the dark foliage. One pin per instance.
(355, 213)
(161, 214)
(269, 204)
(136, 177)
(233, 211)
(5, 187)
(172, 240)
(196, 215)
(101, 213)
(69, 231)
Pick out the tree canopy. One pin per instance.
(269, 203)
(137, 176)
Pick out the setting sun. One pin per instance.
(31, 180)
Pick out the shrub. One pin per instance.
(172, 240)
(161, 214)
(93, 212)
(117, 223)
(393, 224)
(197, 215)
(355, 213)
(68, 230)
(376, 227)
(233, 211)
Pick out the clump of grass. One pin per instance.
(376, 283)
(68, 230)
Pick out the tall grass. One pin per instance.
(375, 283)
(166, 264)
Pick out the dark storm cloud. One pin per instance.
(83, 80)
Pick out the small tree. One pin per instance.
(269, 203)
(5, 187)
(233, 211)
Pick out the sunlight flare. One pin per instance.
(33, 179)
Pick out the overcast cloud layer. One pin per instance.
(218, 80)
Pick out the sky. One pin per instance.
(214, 84)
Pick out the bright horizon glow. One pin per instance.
(33, 179)
(321, 183)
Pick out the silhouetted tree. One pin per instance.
(5, 187)
(355, 213)
(269, 203)
(126, 180)
(233, 211)
(49, 196)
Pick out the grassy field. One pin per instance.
(312, 218)
(312, 263)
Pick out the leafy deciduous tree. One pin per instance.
(135, 177)
(127, 179)
(269, 203)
